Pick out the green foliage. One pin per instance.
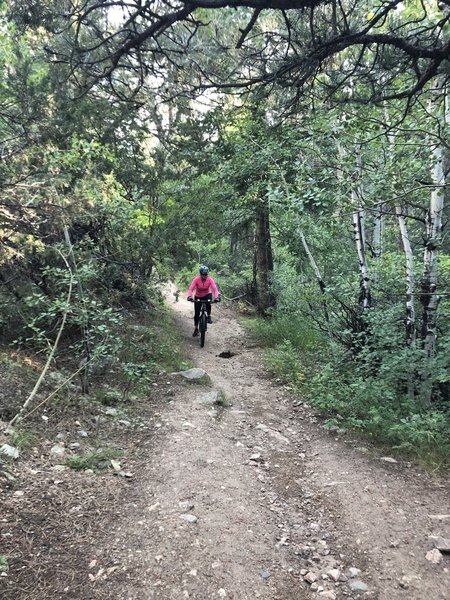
(424, 435)
(375, 395)
(222, 400)
(292, 328)
(22, 439)
(98, 460)
(285, 362)
(4, 564)
(108, 396)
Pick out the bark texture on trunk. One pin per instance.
(410, 321)
(359, 236)
(263, 256)
(433, 238)
(358, 219)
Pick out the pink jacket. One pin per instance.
(202, 288)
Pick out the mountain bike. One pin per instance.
(203, 319)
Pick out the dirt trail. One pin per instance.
(254, 500)
(275, 498)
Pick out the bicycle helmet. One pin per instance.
(204, 270)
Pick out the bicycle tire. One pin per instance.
(202, 326)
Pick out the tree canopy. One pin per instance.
(300, 149)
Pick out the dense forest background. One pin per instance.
(299, 148)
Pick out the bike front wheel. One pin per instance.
(202, 326)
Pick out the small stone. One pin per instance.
(189, 518)
(358, 586)
(434, 556)
(265, 574)
(111, 412)
(334, 574)
(82, 433)
(10, 451)
(354, 572)
(388, 459)
(126, 474)
(58, 450)
(330, 595)
(256, 457)
(116, 465)
(310, 577)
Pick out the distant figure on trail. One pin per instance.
(202, 287)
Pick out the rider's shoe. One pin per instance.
(209, 320)
(195, 334)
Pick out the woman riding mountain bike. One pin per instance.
(203, 287)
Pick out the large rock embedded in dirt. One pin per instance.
(192, 374)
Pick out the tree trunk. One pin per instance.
(358, 230)
(263, 256)
(358, 218)
(430, 298)
(410, 321)
(377, 240)
(317, 273)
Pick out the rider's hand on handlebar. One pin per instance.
(217, 299)
(189, 299)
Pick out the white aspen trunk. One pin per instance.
(358, 230)
(377, 233)
(358, 218)
(317, 273)
(377, 240)
(430, 298)
(410, 322)
(312, 262)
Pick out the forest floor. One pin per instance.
(227, 487)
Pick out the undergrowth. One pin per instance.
(348, 396)
(97, 460)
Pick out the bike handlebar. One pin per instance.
(202, 300)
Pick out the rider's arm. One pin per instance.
(214, 288)
(192, 287)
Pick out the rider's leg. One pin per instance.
(196, 317)
(208, 307)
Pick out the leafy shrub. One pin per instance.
(426, 436)
(275, 331)
(284, 361)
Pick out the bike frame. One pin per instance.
(203, 319)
